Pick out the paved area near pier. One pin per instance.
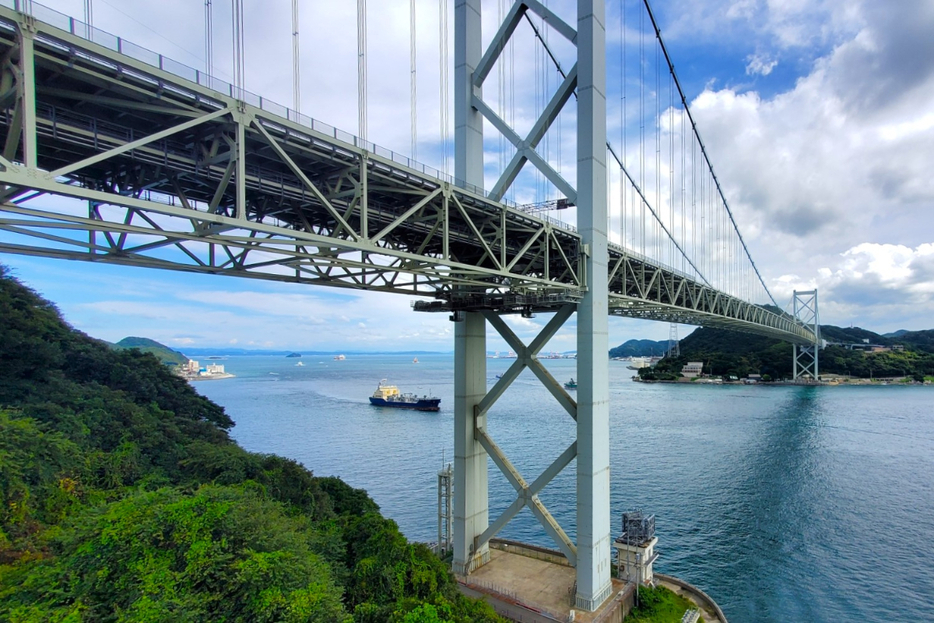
(540, 589)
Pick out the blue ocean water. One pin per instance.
(783, 503)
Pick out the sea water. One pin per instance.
(783, 503)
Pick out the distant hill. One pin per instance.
(640, 348)
(739, 354)
(915, 340)
(919, 340)
(162, 352)
(850, 335)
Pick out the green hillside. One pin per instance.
(123, 498)
(640, 348)
(731, 353)
(162, 352)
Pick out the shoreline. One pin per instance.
(212, 377)
(860, 383)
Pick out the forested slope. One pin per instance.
(122, 497)
(162, 352)
(731, 353)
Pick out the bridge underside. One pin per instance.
(171, 173)
(112, 154)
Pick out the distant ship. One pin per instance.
(299, 364)
(339, 357)
(637, 363)
(389, 396)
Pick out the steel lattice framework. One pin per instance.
(174, 174)
(113, 154)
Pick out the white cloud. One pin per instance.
(834, 173)
(760, 64)
(885, 286)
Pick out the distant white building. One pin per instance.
(692, 369)
(214, 368)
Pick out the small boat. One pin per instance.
(339, 357)
(415, 360)
(299, 364)
(572, 384)
(389, 396)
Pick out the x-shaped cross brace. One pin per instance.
(526, 494)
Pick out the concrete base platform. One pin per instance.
(539, 589)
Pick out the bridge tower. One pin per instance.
(471, 499)
(805, 355)
(674, 346)
(472, 530)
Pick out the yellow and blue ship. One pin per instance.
(389, 396)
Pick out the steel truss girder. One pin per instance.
(527, 495)
(431, 229)
(640, 290)
(190, 179)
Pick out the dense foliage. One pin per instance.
(122, 497)
(730, 353)
(640, 348)
(659, 605)
(162, 352)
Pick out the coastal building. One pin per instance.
(212, 370)
(692, 369)
(193, 371)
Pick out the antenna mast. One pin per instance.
(361, 68)
(413, 81)
(237, 18)
(88, 16)
(296, 76)
(208, 40)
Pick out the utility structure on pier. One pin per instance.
(445, 510)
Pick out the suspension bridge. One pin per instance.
(112, 153)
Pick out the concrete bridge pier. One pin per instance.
(593, 408)
(471, 514)
(471, 499)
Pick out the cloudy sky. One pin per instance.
(818, 116)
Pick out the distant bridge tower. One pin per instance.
(674, 347)
(805, 357)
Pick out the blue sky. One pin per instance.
(818, 115)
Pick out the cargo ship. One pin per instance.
(389, 396)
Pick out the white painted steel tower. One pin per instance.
(472, 445)
(593, 414)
